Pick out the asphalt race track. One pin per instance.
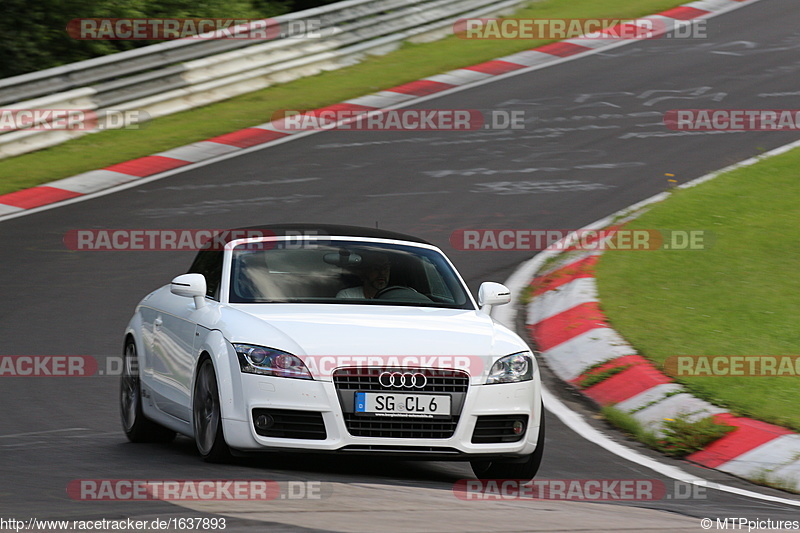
(594, 142)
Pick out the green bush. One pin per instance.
(682, 437)
(598, 377)
(33, 35)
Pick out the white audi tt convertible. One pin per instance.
(332, 339)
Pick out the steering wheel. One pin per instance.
(385, 290)
(401, 293)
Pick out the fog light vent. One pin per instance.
(289, 424)
(499, 428)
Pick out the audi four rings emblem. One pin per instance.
(416, 380)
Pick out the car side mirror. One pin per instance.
(491, 293)
(192, 286)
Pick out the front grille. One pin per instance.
(349, 381)
(366, 379)
(400, 428)
(406, 450)
(290, 424)
(498, 428)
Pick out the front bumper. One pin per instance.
(267, 392)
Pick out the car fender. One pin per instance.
(134, 330)
(538, 411)
(226, 367)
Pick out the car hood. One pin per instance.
(341, 331)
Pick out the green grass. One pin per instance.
(738, 297)
(766, 479)
(591, 379)
(411, 62)
(630, 425)
(526, 295)
(680, 437)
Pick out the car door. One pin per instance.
(175, 336)
(172, 355)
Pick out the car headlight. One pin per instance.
(512, 368)
(270, 362)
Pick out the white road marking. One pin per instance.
(507, 315)
(42, 432)
(570, 418)
(577, 424)
(4, 215)
(405, 194)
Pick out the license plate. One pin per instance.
(410, 405)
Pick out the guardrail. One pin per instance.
(178, 75)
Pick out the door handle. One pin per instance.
(158, 322)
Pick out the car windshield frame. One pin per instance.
(421, 265)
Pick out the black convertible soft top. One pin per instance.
(316, 229)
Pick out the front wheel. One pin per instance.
(206, 416)
(137, 427)
(525, 469)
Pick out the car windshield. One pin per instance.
(344, 272)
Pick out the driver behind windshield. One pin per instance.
(373, 272)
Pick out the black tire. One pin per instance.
(525, 469)
(137, 428)
(206, 416)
